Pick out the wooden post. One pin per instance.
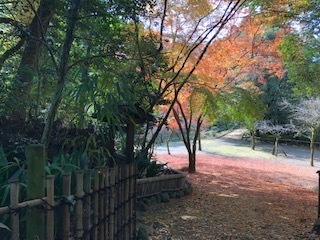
(101, 205)
(126, 201)
(66, 191)
(14, 201)
(79, 206)
(119, 215)
(50, 212)
(35, 154)
(88, 205)
(132, 201)
(106, 201)
(134, 191)
(112, 202)
(95, 204)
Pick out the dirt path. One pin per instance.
(254, 196)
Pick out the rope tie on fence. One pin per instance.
(67, 200)
(83, 198)
(49, 206)
(14, 210)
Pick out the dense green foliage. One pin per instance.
(241, 106)
(273, 92)
(74, 73)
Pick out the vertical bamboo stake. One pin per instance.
(79, 206)
(14, 201)
(87, 205)
(96, 204)
(36, 189)
(66, 179)
(126, 201)
(119, 203)
(112, 199)
(123, 205)
(131, 205)
(50, 212)
(106, 201)
(134, 191)
(101, 204)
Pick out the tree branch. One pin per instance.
(162, 24)
(10, 52)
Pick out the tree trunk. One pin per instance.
(168, 140)
(72, 18)
(30, 56)
(129, 152)
(312, 147)
(253, 140)
(192, 162)
(199, 141)
(275, 147)
(193, 150)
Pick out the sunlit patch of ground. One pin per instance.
(238, 197)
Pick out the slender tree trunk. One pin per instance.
(253, 140)
(72, 18)
(192, 153)
(275, 147)
(312, 147)
(199, 141)
(168, 140)
(192, 162)
(129, 152)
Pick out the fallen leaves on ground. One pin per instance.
(234, 202)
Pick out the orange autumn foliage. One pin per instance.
(248, 51)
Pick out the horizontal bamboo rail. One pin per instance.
(103, 211)
(148, 187)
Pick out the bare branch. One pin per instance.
(162, 24)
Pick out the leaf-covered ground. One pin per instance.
(238, 198)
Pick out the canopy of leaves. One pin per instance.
(242, 106)
(302, 61)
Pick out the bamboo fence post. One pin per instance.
(95, 204)
(35, 155)
(87, 205)
(50, 212)
(109, 200)
(123, 205)
(131, 196)
(79, 206)
(14, 201)
(119, 203)
(116, 203)
(106, 201)
(112, 201)
(126, 201)
(101, 204)
(134, 191)
(66, 191)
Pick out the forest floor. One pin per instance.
(239, 193)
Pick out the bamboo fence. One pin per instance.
(147, 187)
(106, 210)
